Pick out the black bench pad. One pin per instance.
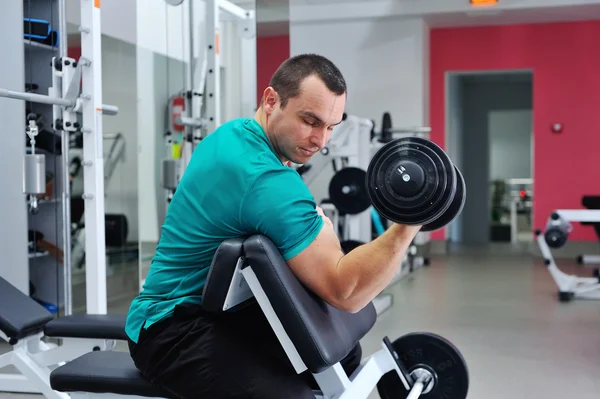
(20, 315)
(220, 274)
(96, 326)
(323, 335)
(104, 372)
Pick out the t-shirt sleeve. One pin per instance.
(279, 206)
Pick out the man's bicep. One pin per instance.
(316, 266)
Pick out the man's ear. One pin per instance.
(270, 99)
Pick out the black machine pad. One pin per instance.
(104, 372)
(220, 274)
(93, 326)
(322, 334)
(20, 316)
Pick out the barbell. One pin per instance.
(409, 181)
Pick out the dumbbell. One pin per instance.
(409, 181)
(412, 181)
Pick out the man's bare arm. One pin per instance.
(349, 282)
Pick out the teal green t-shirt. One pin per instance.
(234, 186)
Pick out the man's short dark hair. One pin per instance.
(292, 72)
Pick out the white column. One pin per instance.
(93, 172)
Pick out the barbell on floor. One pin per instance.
(409, 181)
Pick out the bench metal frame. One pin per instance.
(334, 382)
(35, 359)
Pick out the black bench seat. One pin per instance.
(104, 372)
(94, 326)
(20, 316)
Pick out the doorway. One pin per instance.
(489, 135)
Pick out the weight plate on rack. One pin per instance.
(348, 192)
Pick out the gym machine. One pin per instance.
(315, 336)
(195, 113)
(76, 97)
(555, 235)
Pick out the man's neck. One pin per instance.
(261, 117)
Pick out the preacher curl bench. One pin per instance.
(314, 335)
(25, 324)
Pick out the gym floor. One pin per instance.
(500, 308)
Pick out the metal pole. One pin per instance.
(66, 181)
(232, 8)
(40, 98)
(213, 77)
(36, 98)
(93, 172)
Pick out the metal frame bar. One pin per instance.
(213, 58)
(93, 172)
(35, 359)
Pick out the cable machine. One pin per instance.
(76, 98)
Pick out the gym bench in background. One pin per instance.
(314, 335)
(24, 324)
(556, 235)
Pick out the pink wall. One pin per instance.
(565, 60)
(271, 51)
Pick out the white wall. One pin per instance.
(383, 61)
(385, 64)
(510, 143)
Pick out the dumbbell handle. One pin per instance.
(418, 388)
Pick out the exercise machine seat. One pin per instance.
(20, 316)
(220, 274)
(95, 326)
(323, 335)
(104, 372)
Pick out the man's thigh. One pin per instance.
(203, 357)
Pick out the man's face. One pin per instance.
(303, 127)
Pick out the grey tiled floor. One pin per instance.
(501, 310)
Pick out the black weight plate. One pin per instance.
(417, 204)
(456, 207)
(435, 354)
(556, 236)
(347, 191)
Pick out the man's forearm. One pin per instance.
(369, 268)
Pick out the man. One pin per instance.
(239, 183)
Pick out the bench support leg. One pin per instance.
(36, 376)
(16, 383)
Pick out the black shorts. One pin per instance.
(196, 354)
